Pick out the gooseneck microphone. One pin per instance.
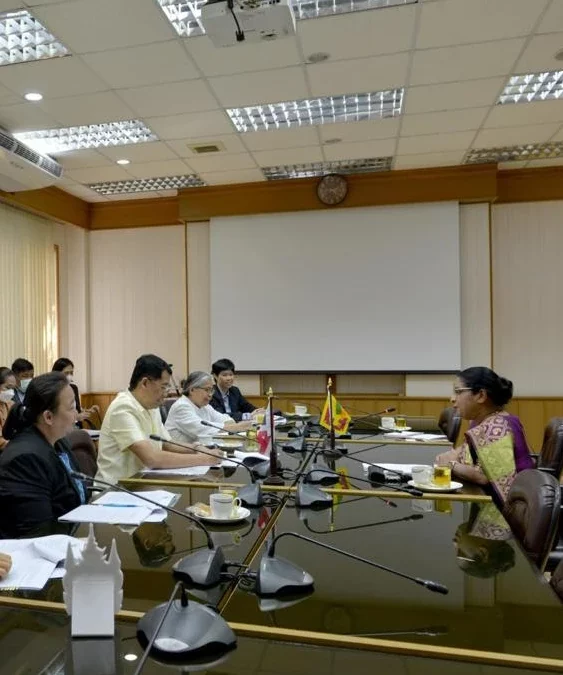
(325, 476)
(274, 572)
(249, 495)
(240, 434)
(200, 569)
(350, 528)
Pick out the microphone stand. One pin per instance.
(251, 495)
(414, 516)
(433, 586)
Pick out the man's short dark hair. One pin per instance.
(21, 366)
(221, 365)
(148, 365)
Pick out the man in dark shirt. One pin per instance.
(226, 397)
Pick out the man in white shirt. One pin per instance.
(125, 446)
(184, 421)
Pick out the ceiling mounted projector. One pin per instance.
(226, 21)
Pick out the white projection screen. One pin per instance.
(364, 289)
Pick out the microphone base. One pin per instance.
(335, 453)
(251, 495)
(274, 480)
(201, 569)
(309, 497)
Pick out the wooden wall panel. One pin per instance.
(530, 185)
(134, 213)
(51, 203)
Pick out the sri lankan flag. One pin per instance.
(340, 418)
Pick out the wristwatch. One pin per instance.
(453, 462)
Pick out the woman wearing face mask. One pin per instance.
(36, 486)
(66, 367)
(7, 390)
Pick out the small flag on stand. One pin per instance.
(334, 416)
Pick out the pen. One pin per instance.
(121, 506)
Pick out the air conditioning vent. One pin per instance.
(22, 168)
(207, 148)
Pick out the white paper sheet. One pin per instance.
(112, 515)
(27, 572)
(122, 498)
(183, 471)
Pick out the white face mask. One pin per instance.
(24, 384)
(69, 379)
(6, 395)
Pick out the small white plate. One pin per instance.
(242, 514)
(230, 445)
(293, 414)
(429, 487)
(395, 428)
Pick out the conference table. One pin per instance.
(499, 611)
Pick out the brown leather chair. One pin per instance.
(550, 458)
(532, 511)
(165, 408)
(84, 451)
(450, 424)
(556, 580)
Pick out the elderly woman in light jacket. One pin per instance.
(185, 418)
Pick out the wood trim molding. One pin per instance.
(474, 183)
(134, 213)
(51, 203)
(530, 185)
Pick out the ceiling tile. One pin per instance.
(139, 152)
(467, 62)
(168, 193)
(449, 158)
(229, 144)
(494, 138)
(516, 164)
(128, 196)
(226, 177)
(453, 96)
(553, 18)
(171, 167)
(174, 98)
(140, 66)
(362, 150)
(84, 193)
(357, 34)
(82, 159)
(246, 57)
(358, 75)
(360, 131)
(556, 161)
(95, 174)
(191, 125)
(25, 117)
(443, 122)
(85, 26)
(539, 54)
(457, 21)
(268, 86)
(8, 97)
(558, 135)
(65, 76)
(89, 109)
(521, 114)
(210, 163)
(414, 145)
(288, 156)
(274, 139)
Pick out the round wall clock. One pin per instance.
(332, 189)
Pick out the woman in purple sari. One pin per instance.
(495, 447)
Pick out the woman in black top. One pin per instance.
(35, 482)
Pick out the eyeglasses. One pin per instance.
(458, 390)
(209, 390)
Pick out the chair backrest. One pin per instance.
(84, 451)
(556, 580)
(165, 408)
(532, 511)
(551, 453)
(450, 424)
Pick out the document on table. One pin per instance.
(34, 561)
(202, 470)
(111, 515)
(121, 499)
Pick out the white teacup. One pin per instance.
(300, 409)
(223, 506)
(388, 422)
(422, 475)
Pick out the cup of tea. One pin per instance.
(259, 418)
(300, 409)
(442, 476)
(421, 475)
(400, 422)
(223, 506)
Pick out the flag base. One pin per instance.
(274, 480)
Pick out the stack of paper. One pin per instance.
(202, 470)
(34, 561)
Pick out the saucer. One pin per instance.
(230, 445)
(430, 487)
(241, 514)
(394, 429)
(298, 415)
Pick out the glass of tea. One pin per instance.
(400, 422)
(442, 476)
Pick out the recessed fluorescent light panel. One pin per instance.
(123, 187)
(515, 153)
(324, 110)
(23, 39)
(185, 15)
(53, 141)
(532, 87)
(322, 168)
